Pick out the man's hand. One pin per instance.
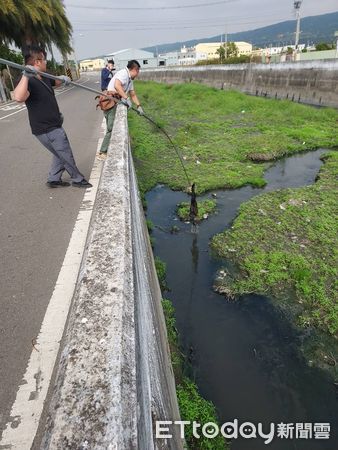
(30, 71)
(140, 110)
(65, 80)
(127, 102)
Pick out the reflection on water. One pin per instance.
(244, 354)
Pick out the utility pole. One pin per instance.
(297, 4)
(74, 59)
(226, 42)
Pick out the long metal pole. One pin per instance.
(52, 77)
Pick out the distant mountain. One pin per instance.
(314, 29)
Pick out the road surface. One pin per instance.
(36, 223)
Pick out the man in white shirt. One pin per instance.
(122, 84)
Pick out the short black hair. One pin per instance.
(110, 61)
(132, 64)
(30, 53)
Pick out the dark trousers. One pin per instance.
(109, 115)
(57, 143)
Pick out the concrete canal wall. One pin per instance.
(313, 82)
(115, 378)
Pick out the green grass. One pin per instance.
(161, 270)
(225, 138)
(284, 244)
(288, 239)
(205, 207)
(192, 406)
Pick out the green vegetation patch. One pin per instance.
(193, 407)
(161, 270)
(225, 138)
(205, 208)
(285, 245)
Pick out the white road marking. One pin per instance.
(12, 114)
(57, 93)
(10, 106)
(27, 409)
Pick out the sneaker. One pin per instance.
(82, 184)
(55, 184)
(101, 156)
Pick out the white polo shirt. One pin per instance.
(123, 76)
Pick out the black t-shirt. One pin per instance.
(43, 110)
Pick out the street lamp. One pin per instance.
(336, 36)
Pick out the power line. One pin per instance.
(173, 27)
(211, 20)
(135, 8)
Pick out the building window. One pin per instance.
(145, 61)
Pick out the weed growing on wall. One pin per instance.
(192, 406)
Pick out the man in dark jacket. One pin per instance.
(45, 118)
(107, 74)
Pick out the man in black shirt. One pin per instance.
(45, 118)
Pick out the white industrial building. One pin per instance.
(91, 64)
(190, 56)
(121, 58)
(169, 59)
(203, 51)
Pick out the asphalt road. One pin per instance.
(36, 223)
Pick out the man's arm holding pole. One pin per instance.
(21, 92)
(134, 98)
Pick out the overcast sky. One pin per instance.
(105, 26)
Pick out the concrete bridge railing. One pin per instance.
(115, 377)
(312, 82)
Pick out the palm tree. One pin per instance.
(40, 22)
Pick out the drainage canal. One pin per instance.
(244, 355)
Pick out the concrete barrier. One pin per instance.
(312, 82)
(115, 377)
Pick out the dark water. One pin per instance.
(244, 355)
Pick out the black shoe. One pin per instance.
(55, 184)
(82, 184)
